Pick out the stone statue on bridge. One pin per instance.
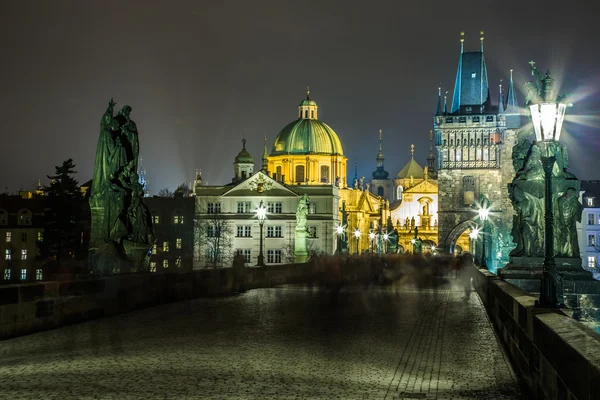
(121, 231)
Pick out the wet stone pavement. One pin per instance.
(282, 343)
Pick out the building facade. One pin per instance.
(589, 227)
(474, 141)
(173, 223)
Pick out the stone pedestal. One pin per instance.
(300, 252)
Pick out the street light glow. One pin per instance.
(339, 230)
(357, 233)
(413, 240)
(474, 233)
(385, 236)
(371, 235)
(261, 212)
(483, 213)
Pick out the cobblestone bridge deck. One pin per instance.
(282, 343)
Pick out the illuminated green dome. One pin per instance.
(307, 136)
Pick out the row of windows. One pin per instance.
(8, 274)
(245, 231)
(24, 219)
(177, 219)
(274, 256)
(165, 264)
(165, 246)
(462, 120)
(593, 219)
(8, 254)
(40, 236)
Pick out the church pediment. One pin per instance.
(423, 187)
(259, 184)
(365, 203)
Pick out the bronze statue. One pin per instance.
(122, 232)
(570, 210)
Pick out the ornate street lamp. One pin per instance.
(261, 215)
(547, 116)
(484, 213)
(473, 235)
(385, 241)
(340, 231)
(357, 236)
(372, 237)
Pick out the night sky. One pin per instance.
(201, 75)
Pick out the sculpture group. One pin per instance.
(122, 233)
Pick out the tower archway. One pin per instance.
(458, 238)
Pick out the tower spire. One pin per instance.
(265, 161)
(458, 81)
(380, 172)
(481, 39)
(512, 106)
(438, 110)
(500, 99)
(445, 103)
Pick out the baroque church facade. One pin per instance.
(306, 158)
(474, 141)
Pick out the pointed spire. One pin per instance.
(380, 172)
(446, 103)
(458, 80)
(355, 172)
(243, 144)
(438, 110)
(265, 160)
(500, 99)
(512, 106)
(412, 151)
(481, 39)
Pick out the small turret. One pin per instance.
(439, 110)
(500, 99)
(512, 112)
(243, 165)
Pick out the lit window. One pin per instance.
(591, 240)
(38, 274)
(23, 254)
(155, 219)
(23, 274)
(274, 256)
(591, 219)
(40, 236)
(244, 231)
(178, 262)
(8, 255)
(474, 75)
(153, 266)
(247, 253)
(181, 219)
(591, 262)
(176, 219)
(23, 236)
(165, 247)
(7, 274)
(8, 236)
(165, 263)
(590, 201)
(178, 243)
(274, 231)
(154, 246)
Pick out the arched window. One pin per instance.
(399, 191)
(243, 174)
(305, 113)
(300, 173)
(324, 173)
(278, 174)
(380, 191)
(312, 113)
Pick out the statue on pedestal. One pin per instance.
(300, 251)
(121, 232)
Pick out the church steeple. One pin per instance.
(513, 115)
(265, 158)
(431, 158)
(380, 172)
(500, 99)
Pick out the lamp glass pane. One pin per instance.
(548, 113)
(535, 119)
(560, 117)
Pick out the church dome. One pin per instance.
(412, 168)
(307, 136)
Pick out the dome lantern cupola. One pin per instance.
(308, 109)
(243, 165)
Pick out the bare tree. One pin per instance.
(165, 193)
(214, 236)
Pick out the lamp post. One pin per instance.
(547, 117)
(385, 241)
(357, 236)
(340, 231)
(261, 215)
(372, 237)
(473, 235)
(484, 213)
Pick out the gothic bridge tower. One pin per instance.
(474, 141)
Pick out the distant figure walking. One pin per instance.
(463, 266)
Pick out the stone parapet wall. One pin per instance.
(557, 356)
(29, 308)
